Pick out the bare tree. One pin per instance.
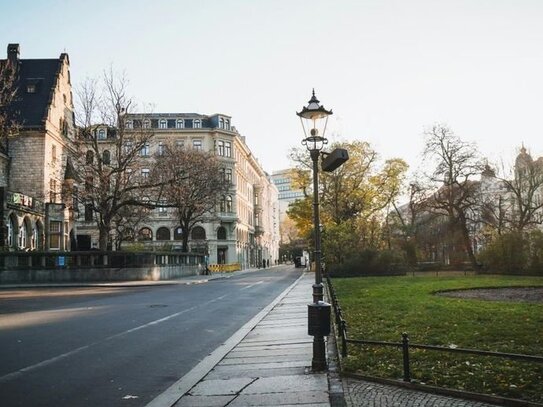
(455, 164)
(524, 187)
(110, 157)
(195, 186)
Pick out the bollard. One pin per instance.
(405, 351)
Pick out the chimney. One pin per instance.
(13, 53)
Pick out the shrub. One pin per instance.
(371, 262)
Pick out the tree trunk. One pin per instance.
(103, 237)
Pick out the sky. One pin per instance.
(389, 70)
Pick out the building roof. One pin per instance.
(30, 108)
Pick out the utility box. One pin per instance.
(318, 319)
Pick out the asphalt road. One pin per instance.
(119, 346)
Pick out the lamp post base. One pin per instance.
(318, 363)
(318, 292)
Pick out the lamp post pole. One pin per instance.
(318, 312)
(317, 287)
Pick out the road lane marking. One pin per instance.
(20, 372)
(252, 285)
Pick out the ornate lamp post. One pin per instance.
(314, 118)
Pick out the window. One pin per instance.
(145, 173)
(227, 149)
(145, 234)
(128, 124)
(52, 190)
(222, 204)
(220, 147)
(106, 157)
(221, 123)
(101, 134)
(160, 148)
(197, 144)
(180, 144)
(128, 147)
(88, 183)
(163, 233)
(162, 209)
(197, 124)
(178, 233)
(163, 124)
(179, 124)
(89, 159)
(31, 88)
(228, 175)
(228, 203)
(198, 233)
(53, 153)
(88, 213)
(221, 233)
(22, 236)
(55, 231)
(227, 124)
(146, 124)
(145, 150)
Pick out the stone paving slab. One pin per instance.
(279, 384)
(306, 350)
(286, 371)
(265, 359)
(278, 399)
(204, 401)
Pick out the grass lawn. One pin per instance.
(381, 308)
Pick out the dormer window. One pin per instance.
(227, 124)
(221, 123)
(31, 88)
(146, 124)
(179, 124)
(163, 124)
(129, 124)
(197, 124)
(101, 134)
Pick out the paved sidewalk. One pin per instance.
(268, 367)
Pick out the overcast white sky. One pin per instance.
(388, 69)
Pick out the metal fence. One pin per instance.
(404, 344)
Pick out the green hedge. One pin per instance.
(371, 262)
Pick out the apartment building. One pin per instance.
(243, 229)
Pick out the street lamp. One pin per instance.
(314, 118)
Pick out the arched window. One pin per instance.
(179, 124)
(197, 124)
(89, 159)
(221, 233)
(178, 233)
(228, 175)
(145, 234)
(222, 205)
(106, 157)
(101, 134)
(22, 235)
(198, 233)
(163, 124)
(163, 234)
(11, 231)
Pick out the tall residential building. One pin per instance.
(245, 228)
(35, 176)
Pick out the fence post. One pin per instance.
(343, 338)
(405, 351)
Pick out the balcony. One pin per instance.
(227, 217)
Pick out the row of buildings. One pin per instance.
(39, 212)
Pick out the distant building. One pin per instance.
(245, 227)
(287, 194)
(36, 210)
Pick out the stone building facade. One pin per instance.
(245, 227)
(35, 180)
